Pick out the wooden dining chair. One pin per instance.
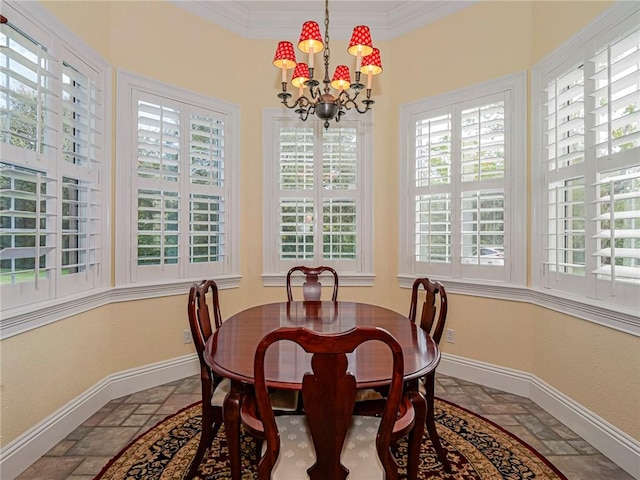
(311, 288)
(202, 306)
(328, 441)
(214, 387)
(432, 318)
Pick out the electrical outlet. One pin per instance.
(451, 336)
(186, 336)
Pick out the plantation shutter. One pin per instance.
(319, 195)
(564, 121)
(28, 128)
(82, 127)
(339, 204)
(433, 180)
(207, 211)
(460, 170)
(616, 117)
(297, 197)
(28, 119)
(482, 173)
(158, 176)
(591, 135)
(617, 95)
(28, 233)
(181, 211)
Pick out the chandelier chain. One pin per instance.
(327, 52)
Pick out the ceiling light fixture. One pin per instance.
(321, 101)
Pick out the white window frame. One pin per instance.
(579, 294)
(130, 280)
(482, 278)
(72, 292)
(274, 269)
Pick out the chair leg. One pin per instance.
(430, 381)
(206, 437)
(415, 435)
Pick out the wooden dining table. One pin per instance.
(230, 353)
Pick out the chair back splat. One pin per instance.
(328, 394)
(311, 288)
(434, 307)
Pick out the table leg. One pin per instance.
(416, 434)
(231, 414)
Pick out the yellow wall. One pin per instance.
(45, 368)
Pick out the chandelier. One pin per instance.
(319, 100)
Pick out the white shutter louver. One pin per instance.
(618, 226)
(433, 228)
(207, 229)
(340, 159)
(158, 142)
(158, 227)
(617, 95)
(207, 151)
(27, 120)
(296, 229)
(483, 227)
(433, 138)
(339, 236)
(564, 120)
(296, 147)
(27, 225)
(81, 118)
(482, 142)
(565, 246)
(80, 235)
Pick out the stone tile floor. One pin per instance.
(83, 453)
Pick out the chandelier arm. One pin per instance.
(299, 102)
(315, 92)
(303, 113)
(349, 100)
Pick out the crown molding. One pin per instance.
(282, 19)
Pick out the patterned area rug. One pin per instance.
(477, 449)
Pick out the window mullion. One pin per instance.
(184, 194)
(456, 190)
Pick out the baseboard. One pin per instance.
(29, 447)
(612, 442)
(618, 446)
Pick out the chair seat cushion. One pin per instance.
(282, 400)
(297, 454)
(366, 394)
(219, 394)
(422, 388)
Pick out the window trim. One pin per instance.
(515, 186)
(616, 316)
(127, 82)
(270, 276)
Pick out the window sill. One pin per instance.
(22, 319)
(345, 279)
(608, 315)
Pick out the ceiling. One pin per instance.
(284, 18)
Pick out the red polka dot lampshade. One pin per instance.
(360, 41)
(310, 37)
